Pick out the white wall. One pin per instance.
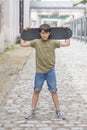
(26, 14)
(10, 23)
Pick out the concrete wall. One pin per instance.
(26, 14)
(1, 28)
(9, 21)
(9, 18)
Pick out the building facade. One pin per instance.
(10, 21)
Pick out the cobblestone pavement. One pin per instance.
(71, 70)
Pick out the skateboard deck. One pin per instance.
(56, 33)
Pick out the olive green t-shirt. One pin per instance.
(45, 54)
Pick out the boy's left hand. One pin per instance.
(65, 26)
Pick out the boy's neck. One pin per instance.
(44, 40)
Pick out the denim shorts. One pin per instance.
(50, 78)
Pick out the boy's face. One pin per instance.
(44, 35)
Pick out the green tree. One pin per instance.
(81, 2)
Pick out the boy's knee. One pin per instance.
(54, 92)
(36, 91)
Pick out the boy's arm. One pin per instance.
(25, 43)
(65, 43)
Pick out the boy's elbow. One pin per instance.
(68, 42)
(22, 43)
(25, 43)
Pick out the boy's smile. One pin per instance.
(44, 35)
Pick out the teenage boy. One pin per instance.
(45, 66)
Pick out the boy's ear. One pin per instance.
(50, 32)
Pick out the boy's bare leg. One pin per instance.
(35, 99)
(59, 113)
(34, 103)
(55, 100)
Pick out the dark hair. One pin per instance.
(45, 27)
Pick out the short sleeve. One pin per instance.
(33, 43)
(57, 44)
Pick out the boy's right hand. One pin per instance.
(26, 29)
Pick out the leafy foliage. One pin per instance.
(81, 2)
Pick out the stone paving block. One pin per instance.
(46, 128)
(26, 125)
(47, 121)
(42, 125)
(33, 122)
(2, 128)
(31, 128)
(63, 129)
(17, 128)
(77, 128)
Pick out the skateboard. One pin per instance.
(56, 33)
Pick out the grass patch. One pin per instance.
(4, 54)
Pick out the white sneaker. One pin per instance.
(60, 114)
(30, 115)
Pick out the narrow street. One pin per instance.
(71, 71)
